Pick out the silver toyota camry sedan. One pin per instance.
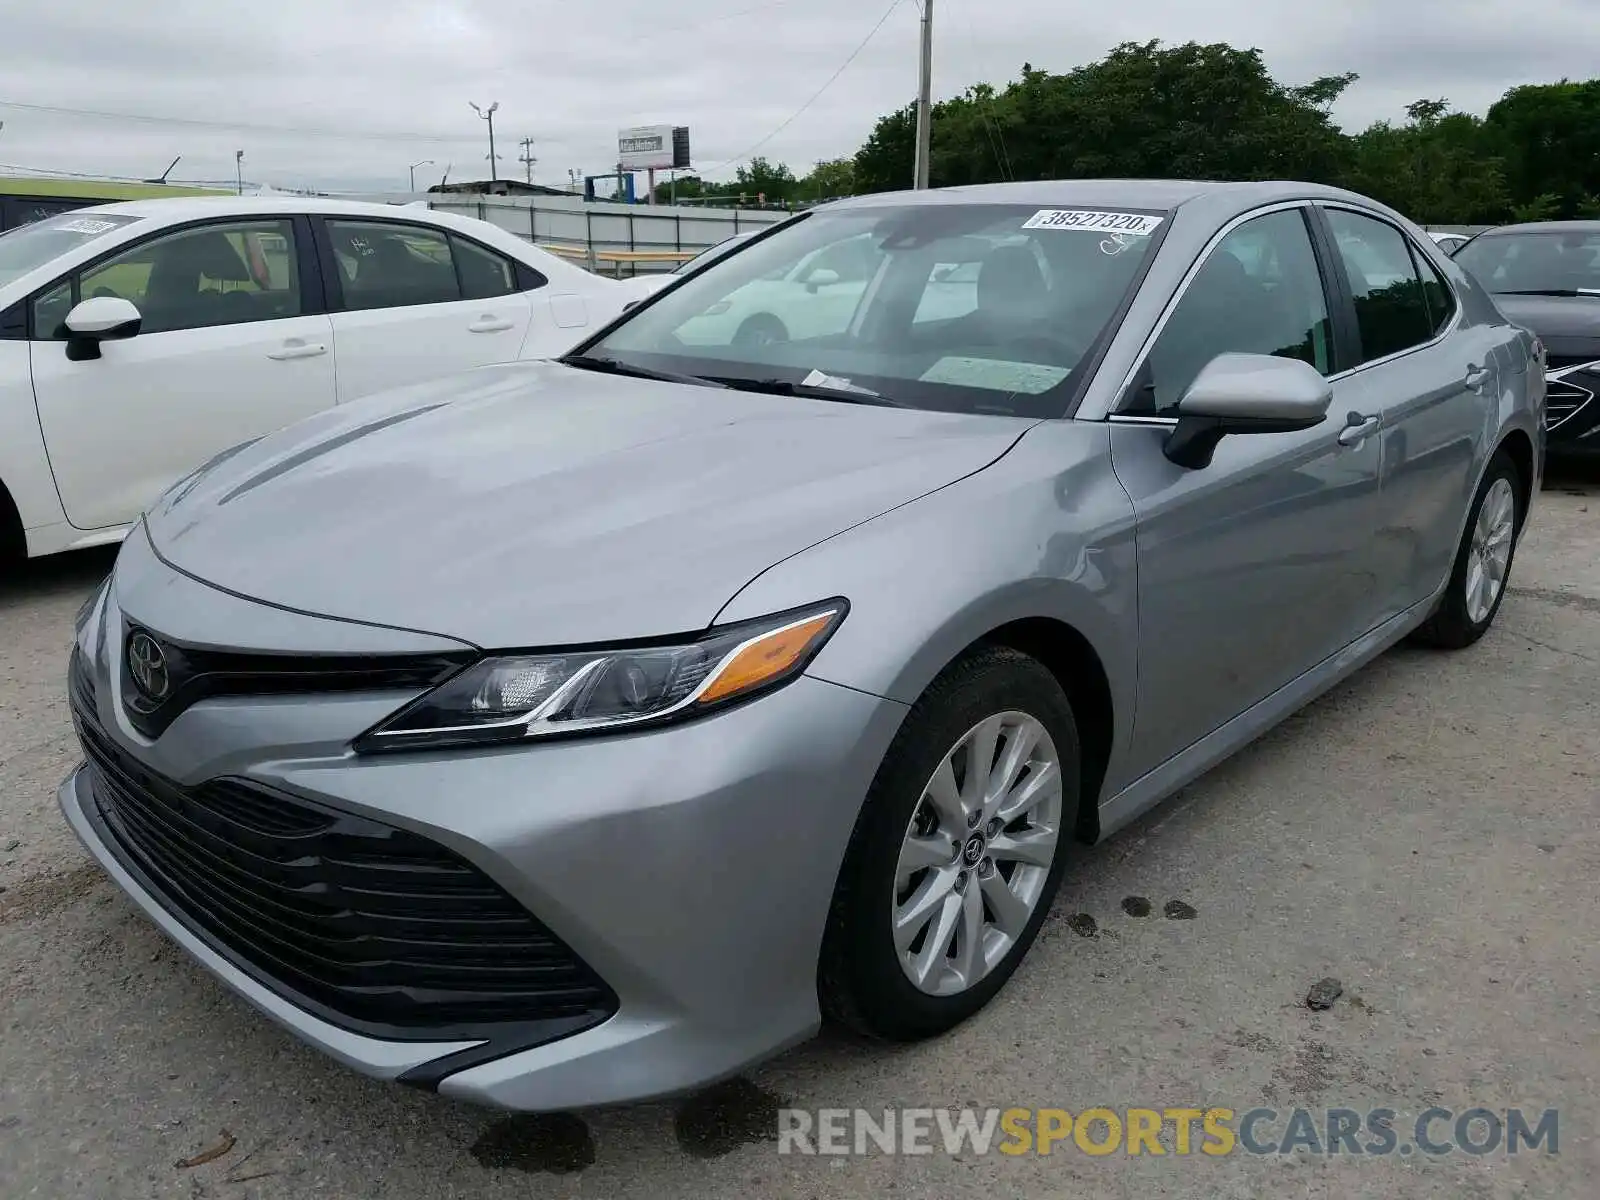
(579, 732)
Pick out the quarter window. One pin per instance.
(1441, 300)
(1392, 311)
(194, 279)
(1259, 292)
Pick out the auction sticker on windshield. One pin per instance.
(1094, 221)
(88, 225)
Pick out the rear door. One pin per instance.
(1430, 379)
(413, 302)
(232, 344)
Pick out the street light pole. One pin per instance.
(925, 99)
(427, 162)
(238, 171)
(488, 115)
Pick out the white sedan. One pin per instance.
(138, 340)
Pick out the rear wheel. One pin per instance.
(957, 853)
(1483, 561)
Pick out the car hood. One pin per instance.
(1568, 325)
(536, 504)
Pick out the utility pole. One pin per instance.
(238, 171)
(527, 158)
(488, 115)
(925, 99)
(427, 162)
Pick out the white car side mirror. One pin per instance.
(99, 319)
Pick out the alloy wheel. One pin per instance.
(977, 853)
(1489, 553)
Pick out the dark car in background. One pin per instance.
(1546, 278)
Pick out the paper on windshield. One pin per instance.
(88, 225)
(1030, 379)
(1094, 221)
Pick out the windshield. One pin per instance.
(29, 247)
(1558, 263)
(962, 308)
(712, 252)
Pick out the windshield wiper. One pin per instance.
(1551, 292)
(612, 366)
(810, 391)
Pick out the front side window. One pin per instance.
(1258, 292)
(956, 307)
(1391, 306)
(30, 246)
(390, 265)
(1557, 263)
(211, 275)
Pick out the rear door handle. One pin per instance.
(1477, 376)
(489, 323)
(1358, 429)
(297, 350)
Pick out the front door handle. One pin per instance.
(489, 323)
(297, 350)
(1477, 376)
(1358, 429)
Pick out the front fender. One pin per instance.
(1044, 532)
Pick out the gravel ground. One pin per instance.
(1425, 834)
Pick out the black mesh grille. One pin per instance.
(374, 924)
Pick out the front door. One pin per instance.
(1257, 567)
(225, 353)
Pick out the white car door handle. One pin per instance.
(489, 323)
(1359, 429)
(297, 350)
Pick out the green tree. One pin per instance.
(1549, 138)
(1437, 168)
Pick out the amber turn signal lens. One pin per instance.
(767, 657)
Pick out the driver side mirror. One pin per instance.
(821, 278)
(1245, 393)
(99, 319)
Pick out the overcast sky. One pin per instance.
(371, 86)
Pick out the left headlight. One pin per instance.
(512, 698)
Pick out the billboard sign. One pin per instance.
(648, 147)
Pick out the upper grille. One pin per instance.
(370, 925)
(195, 674)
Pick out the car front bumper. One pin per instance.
(691, 868)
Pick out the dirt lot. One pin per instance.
(1426, 834)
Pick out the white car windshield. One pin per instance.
(1561, 264)
(956, 307)
(29, 247)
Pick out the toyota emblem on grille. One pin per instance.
(147, 663)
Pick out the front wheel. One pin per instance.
(1483, 561)
(957, 853)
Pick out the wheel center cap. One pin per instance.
(972, 852)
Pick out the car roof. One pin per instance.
(185, 208)
(1545, 227)
(1131, 193)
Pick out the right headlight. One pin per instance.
(517, 697)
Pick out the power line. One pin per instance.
(854, 54)
(235, 126)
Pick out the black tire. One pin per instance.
(860, 981)
(13, 542)
(1450, 627)
(760, 330)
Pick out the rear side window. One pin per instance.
(388, 265)
(1441, 300)
(484, 274)
(1392, 310)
